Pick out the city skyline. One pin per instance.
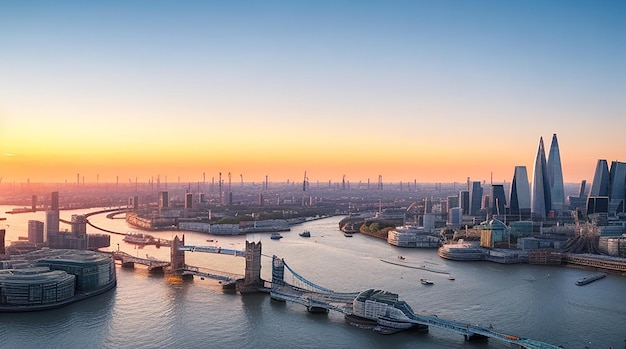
(410, 91)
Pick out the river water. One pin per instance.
(151, 311)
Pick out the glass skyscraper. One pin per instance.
(555, 176)
(476, 195)
(520, 192)
(541, 202)
(600, 184)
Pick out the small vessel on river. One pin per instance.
(426, 282)
(276, 236)
(305, 234)
(139, 239)
(589, 279)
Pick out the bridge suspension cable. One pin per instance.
(307, 282)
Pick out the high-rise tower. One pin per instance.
(555, 176)
(600, 184)
(540, 189)
(520, 192)
(476, 196)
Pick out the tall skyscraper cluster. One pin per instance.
(547, 193)
(539, 198)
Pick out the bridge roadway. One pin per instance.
(213, 249)
(211, 274)
(154, 264)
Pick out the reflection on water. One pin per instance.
(153, 310)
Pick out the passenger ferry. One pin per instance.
(139, 239)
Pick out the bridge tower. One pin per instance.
(278, 271)
(252, 281)
(177, 257)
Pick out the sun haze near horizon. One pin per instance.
(409, 90)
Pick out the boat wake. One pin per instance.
(422, 266)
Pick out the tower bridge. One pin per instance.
(383, 309)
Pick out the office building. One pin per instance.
(464, 201)
(519, 203)
(79, 225)
(35, 232)
(498, 199)
(164, 201)
(600, 184)
(476, 196)
(608, 190)
(452, 202)
(617, 176)
(555, 176)
(455, 216)
(540, 189)
(188, 201)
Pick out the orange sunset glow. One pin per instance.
(427, 101)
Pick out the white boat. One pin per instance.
(138, 239)
(426, 282)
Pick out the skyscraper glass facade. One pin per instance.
(540, 189)
(520, 192)
(555, 176)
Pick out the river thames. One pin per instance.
(150, 311)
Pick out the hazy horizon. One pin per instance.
(409, 90)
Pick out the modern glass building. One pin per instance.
(50, 278)
(464, 201)
(540, 189)
(608, 190)
(555, 176)
(617, 176)
(519, 203)
(498, 199)
(476, 196)
(600, 184)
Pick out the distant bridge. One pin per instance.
(212, 249)
(130, 260)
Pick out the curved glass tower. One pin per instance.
(540, 189)
(555, 176)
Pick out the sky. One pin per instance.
(426, 91)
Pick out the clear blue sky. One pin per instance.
(431, 90)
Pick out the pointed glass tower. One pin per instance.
(540, 188)
(555, 176)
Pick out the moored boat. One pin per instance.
(589, 279)
(348, 235)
